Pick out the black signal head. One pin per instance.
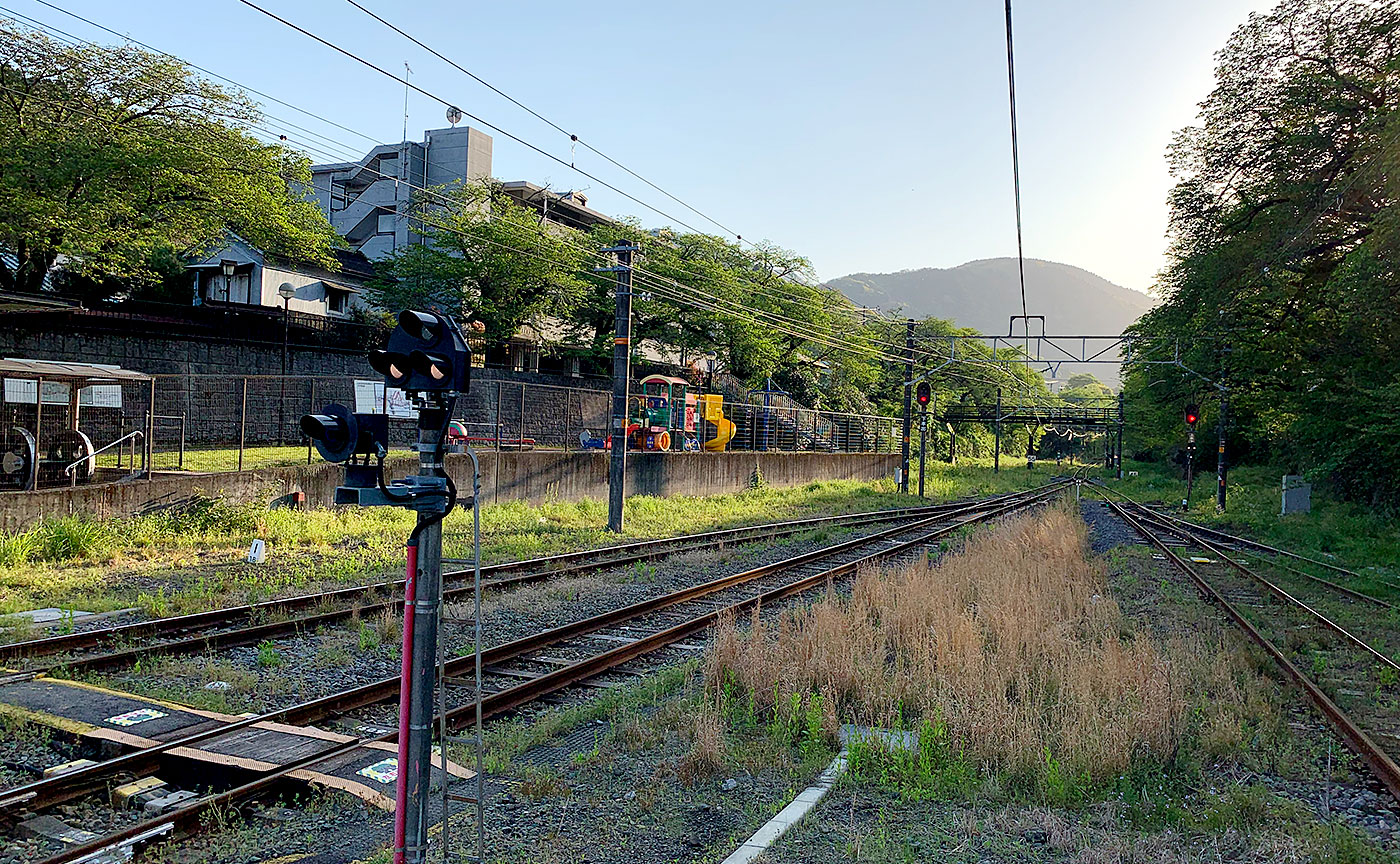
(393, 366)
(423, 326)
(428, 350)
(333, 431)
(340, 435)
(923, 393)
(1193, 414)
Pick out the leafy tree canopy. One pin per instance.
(1282, 279)
(486, 259)
(110, 157)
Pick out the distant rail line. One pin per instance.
(248, 624)
(524, 670)
(1260, 607)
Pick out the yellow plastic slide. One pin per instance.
(712, 411)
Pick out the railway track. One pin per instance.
(1340, 669)
(514, 674)
(253, 623)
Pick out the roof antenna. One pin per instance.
(406, 72)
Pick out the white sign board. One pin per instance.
(20, 391)
(372, 397)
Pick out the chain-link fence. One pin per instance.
(209, 423)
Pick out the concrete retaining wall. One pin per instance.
(533, 476)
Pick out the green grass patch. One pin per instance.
(1339, 532)
(194, 552)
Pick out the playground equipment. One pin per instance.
(666, 406)
(712, 412)
(39, 394)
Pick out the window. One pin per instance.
(337, 301)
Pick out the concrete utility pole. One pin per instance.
(622, 373)
(908, 405)
(1221, 466)
(1119, 457)
(996, 454)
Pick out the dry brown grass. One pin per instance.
(1014, 643)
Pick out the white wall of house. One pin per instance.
(256, 283)
(314, 296)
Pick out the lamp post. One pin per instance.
(227, 266)
(286, 291)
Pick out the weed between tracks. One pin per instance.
(1011, 659)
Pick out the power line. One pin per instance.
(573, 138)
(1016, 174)
(187, 63)
(436, 98)
(723, 306)
(830, 292)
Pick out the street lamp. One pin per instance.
(286, 291)
(227, 266)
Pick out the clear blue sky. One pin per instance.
(868, 136)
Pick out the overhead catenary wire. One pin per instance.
(730, 308)
(436, 98)
(573, 137)
(668, 289)
(349, 153)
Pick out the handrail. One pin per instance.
(135, 433)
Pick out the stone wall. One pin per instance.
(203, 355)
(533, 476)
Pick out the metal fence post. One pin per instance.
(182, 441)
(150, 454)
(38, 429)
(242, 424)
(311, 406)
(500, 397)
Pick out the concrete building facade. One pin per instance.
(368, 202)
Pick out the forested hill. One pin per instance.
(982, 294)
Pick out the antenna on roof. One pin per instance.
(406, 73)
(454, 115)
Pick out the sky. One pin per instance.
(870, 137)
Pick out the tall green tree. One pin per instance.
(1282, 278)
(485, 258)
(110, 157)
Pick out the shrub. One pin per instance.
(18, 549)
(73, 537)
(1011, 652)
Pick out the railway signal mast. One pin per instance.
(1193, 416)
(428, 359)
(923, 395)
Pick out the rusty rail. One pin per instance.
(1380, 763)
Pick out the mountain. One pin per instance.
(983, 294)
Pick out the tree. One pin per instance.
(111, 156)
(485, 258)
(1084, 389)
(1282, 280)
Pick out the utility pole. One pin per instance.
(1119, 457)
(952, 444)
(622, 374)
(1221, 467)
(908, 405)
(996, 454)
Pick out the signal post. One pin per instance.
(427, 357)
